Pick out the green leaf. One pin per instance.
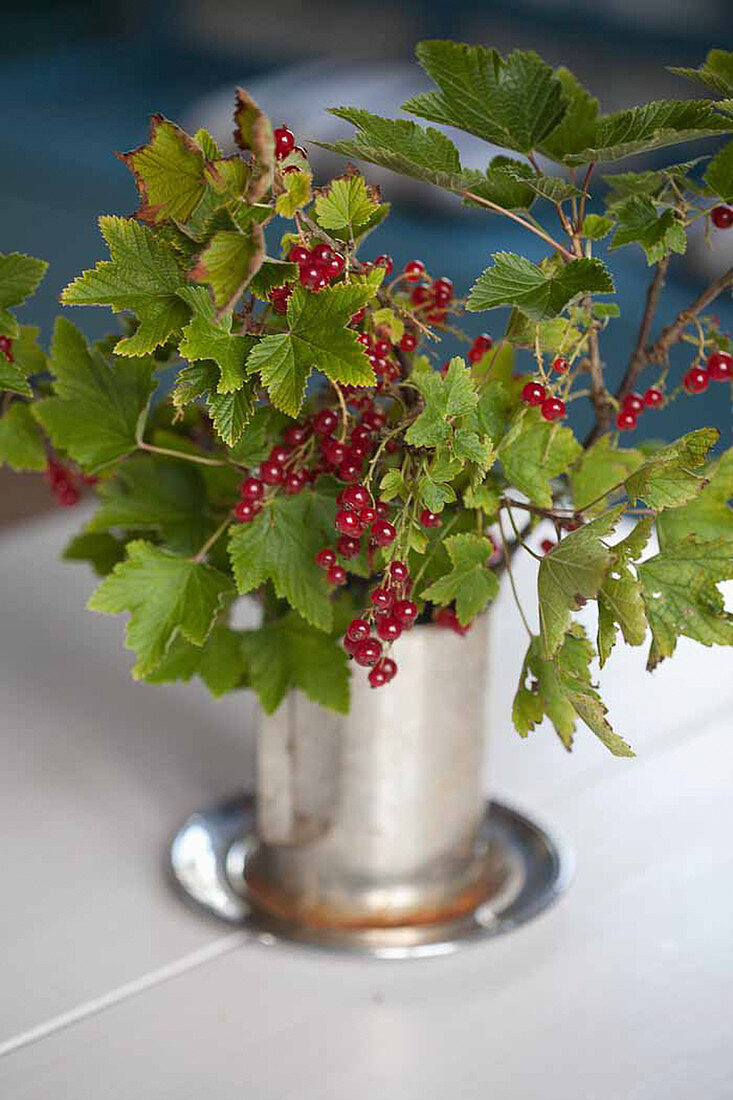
(166, 596)
(507, 183)
(719, 173)
(596, 227)
(142, 276)
(571, 574)
(577, 129)
(288, 654)
(280, 545)
(540, 695)
(29, 358)
(445, 396)
(102, 550)
(19, 277)
(639, 221)
(619, 597)
(494, 406)
(296, 195)
(434, 494)
(601, 468)
(708, 515)
(194, 381)
(533, 452)
(169, 173)
(272, 273)
(573, 676)
(393, 486)
(12, 378)
(513, 102)
(652, 183)
(667, 479)
(420, 152)
(317, 339)
(151, 493)
(209, 337)
(515, 281)
(97, 404)
(229, 262)
(220, 662)
(21, 445)
(680, 589)
(231, 412)
(485, 497)
(254, 133)
(470, 582)
(256, 443)
(716, 72)
(344, 204)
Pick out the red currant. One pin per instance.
(313, 277)
(284, 141)
(720, 366)
(560, 364)
(367, 652)
(335, 265)
(373, 419)
(299, 255)
(386, 262)
(626, 420)
(388, 667)
(547, 545)
(361, 436)
(634, 402)
(388, 627)
(447, 617)
(336, 575)
(414, 270)
(333, 451)
(405, 611)
(347, 547)
(420, 296)
(553, 408)
(398, 571)
(696, 380)
(325, 558)
(279, 454)
(6, 347)
(442, 290)
(349, 644)
(533, 393)
(383, 509)
(246, 510)
(347, 523)
(367, 515)
(653, 398)
(252, 489)
(383, 349)
(350, 469)
(356, 496)
(381, 597)
(325, 421)
(271, 472)
(408, 343)
(358, 317)
(479, 347)
(321, 253)
(377, 677)
(294, 483)
(357, 630)
(430, 519)
(295, 434)
(383, 532)
(722, 217)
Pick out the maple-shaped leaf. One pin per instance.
(207, 336)
(19, 277)
(445, 397)
(168, 171)
(577, 128)
(297, 193)
(507, 182)
(317, 339)
(659, 232)
(280, 545)
(512, 102)
(272, 273)
(716, 72)
(348, 208)
(571, 574)
(166, 596)
(601, 468)
(470, 583)
(143, 276)
(533, 452)
(229, 262)
(289, 654)
(516, 281)
(97, 403)
(220, 662)
(708, 515)
(231, 412)
(21, 445)
(620, 602)
(539, 693)
(100, 549)
(669, 477)
(574, 679)
(253, 132)
(152, 493)
(680, 590)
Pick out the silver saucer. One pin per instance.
(209, 853)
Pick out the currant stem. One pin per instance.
(507, 563)
(182, 454)
(520, 221)
(199, 557)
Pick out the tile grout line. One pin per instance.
(215, 950)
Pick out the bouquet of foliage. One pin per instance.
(277, 419)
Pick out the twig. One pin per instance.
(638, 359)
(213, 538)
(520, 221)
(659, 350)
(182, 454)
(507, 562)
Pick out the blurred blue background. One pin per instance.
(79, 80)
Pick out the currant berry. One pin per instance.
(271, 472)
(246, 510)
(420, 296)
(357, 630)
(414, 270)
(360, 436)
(383, 510)
(294, 483)
(68, 496)
(373, 419)
(284, 141)
(383, 348)
(560, 364)
(442, 290)
(349, 644)
(347, 547)
(377, 677)
(367, 515)
(386, 262)
(358, 317)
(720, 366)
(295, 435)
(313, 277)
(553, 408)
(696, 380)
(333, 451)
(533, 393)
(321, 253)
(252, 489)
(368, 652)
(335, 265)
(398, 571)
(325, 558)
(547, 545)
(6, 347)
(299, 255)
(430, 519)
(325, 421)
(356, 496)
(388, 627)
(383, 533)
(634, 402)
(405, 611)
(347, 523)
(388, 667)
(381, 598)
(479, 347)
(653, 398)
(722, 217)
(350, 469)
(279, 297)
(336, 575)
(279, 454)
(408, 343)
(626, 420)
(447, 617)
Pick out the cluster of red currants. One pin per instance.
(62, 483)
(633, 404)
(317, 267)
(391, 611)
(285, 144)
(722, 217)
(718, 368)
(380, 356)
(6, 347)
(433, 297)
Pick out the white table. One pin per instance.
(111, 989)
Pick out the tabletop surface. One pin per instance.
(110, 987)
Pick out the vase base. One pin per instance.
(209, 853)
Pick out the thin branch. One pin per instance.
(520, 221)
(659, 350)
(213, 538)
(507, 562)
(182, 454)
